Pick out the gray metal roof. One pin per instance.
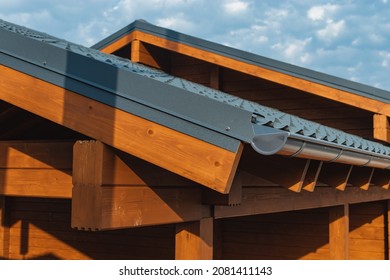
(296, 71)
(199, 111)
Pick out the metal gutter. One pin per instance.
(271, 141)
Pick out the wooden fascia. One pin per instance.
(109, 194)
(328, 92)
(197, 160)
(36, 169)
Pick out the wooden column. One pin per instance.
(4, 229)
(194, 240)
(339, 232)
(387, 227)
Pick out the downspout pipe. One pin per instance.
(269, 141)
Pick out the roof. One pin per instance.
(199, 111)
(293, 70)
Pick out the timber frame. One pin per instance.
(126, 157)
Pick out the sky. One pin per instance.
(349, 39)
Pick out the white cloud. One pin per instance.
(177, 22)
(331, 31)
(235, 7)
(385, 58)
(318, 13)
(294, 50)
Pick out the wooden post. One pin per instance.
(4, 229)
(387, 227)
(194, 240)
(339, 232)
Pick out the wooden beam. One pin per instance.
(335, 175)
(215, 77)
(381, 128)
(387, 226)
(287, 172)
(361, 177)
(314, 88)
(234, 197)
(194, 240)
(38, 169)
(4, 229)
(339, 232)
(99, 207)
(312, 174)
(120, 43)
(184, 155)
(277, 199)
(149, 55)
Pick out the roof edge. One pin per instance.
(251, 58)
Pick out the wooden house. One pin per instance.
(153, 144)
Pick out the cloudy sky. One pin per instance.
(349, 39)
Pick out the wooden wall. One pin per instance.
(303, 234)
(40, 229)
(368, 237)
(288, 235)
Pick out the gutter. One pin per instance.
(269, 141)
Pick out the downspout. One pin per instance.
(269, 141)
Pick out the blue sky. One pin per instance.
(349, 39)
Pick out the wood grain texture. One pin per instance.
(194, 240)
(36, 168)
(96, 206)
(4, 229)
(194, 159)
(339, 232)
(381, 127)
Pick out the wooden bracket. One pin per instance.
(361, 177)
(149, 55)
(312, 175)
(286, 172)
(335, 175)
(381, 178)
(105, 196)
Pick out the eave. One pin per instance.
(327, 86)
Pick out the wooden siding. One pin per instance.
(288, 235)
(367, 238)
(40, 229)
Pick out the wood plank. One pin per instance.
(270, 200)
(194, 159)
(36, 182)
(4, 229)
(232, 198)
(215, 77)
(36, 154)
(339, 232)
(381, 127)
(120, 43)
(271, 75)
(194, 241)
(149, 55)
(99, 207)
(387, 231)
(335, 175)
